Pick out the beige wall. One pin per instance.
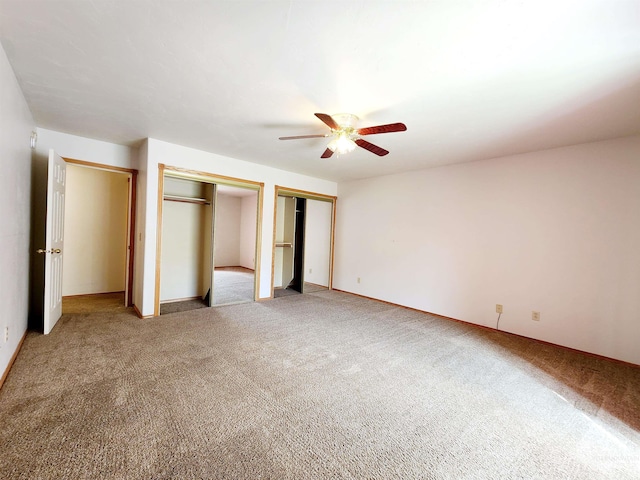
(236, 230)
(95, 231)
(227, 231)
(16, 125)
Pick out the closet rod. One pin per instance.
(175, 198)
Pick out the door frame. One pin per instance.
(281, 191)
(131, 216)
(205, 177)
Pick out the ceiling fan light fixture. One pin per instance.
(342, 144)
(346, 137)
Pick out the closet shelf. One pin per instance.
(176, 198)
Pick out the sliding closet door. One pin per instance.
(317, 245)
(297, 282)
(208, 266)
(287, 222)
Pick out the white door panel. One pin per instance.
(54, 251)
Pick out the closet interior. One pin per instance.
(303, 246)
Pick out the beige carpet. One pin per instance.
(182, 306)
(325, 385)
(307, 288)
(231, 285)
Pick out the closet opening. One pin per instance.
(208, 237)
(303, 242)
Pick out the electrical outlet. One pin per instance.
(6, 334)
(358, 279)
(535, 316)
(311, 270)
(498, 308)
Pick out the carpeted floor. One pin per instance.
(233, 285)
(182, 306)
(230, 285)
(324, 385)
(308, 288)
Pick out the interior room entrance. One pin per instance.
(98, 226)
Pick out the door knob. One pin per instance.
(41, 251)
(53, 250)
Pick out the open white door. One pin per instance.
(56, 181)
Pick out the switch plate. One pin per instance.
(535, 316)
(498, 308)
(358, 279)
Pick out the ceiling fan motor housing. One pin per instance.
(345, 120)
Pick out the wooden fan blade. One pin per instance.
(303, 136)
(327, 153)
(328, 120)
(392, 127)
(381, 152)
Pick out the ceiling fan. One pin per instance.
(346, 136)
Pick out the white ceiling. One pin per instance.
(471, 79)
